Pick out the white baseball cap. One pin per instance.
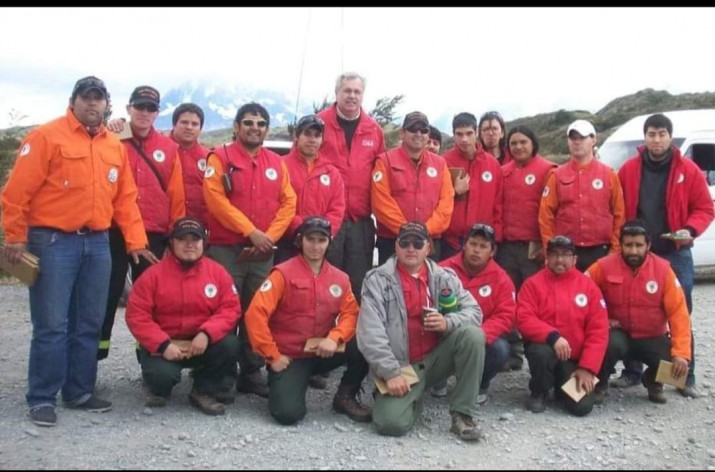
(582, 127)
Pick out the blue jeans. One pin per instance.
(681, 262)
(494, 359)
(67, 305)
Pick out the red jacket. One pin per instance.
(170, 302)
(159, 207)
(493, 290)
(584, 212)
(311, 304)
(354, 165)
(523, 187)
(483, 202)
(193, 166)
(320, 192)
(569, 304)
(689, 203)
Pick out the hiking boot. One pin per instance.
(655, 390)
(43, 415)
(535, 404)
(93, 405)
(227, 397)
(252, 383)
(346, 402)
(624, 381)
(463, 426)
(689, 391)
(439, 390)
(600, 394)
(153, 400)
(318, 382)
(206, 403)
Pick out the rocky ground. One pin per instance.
(626, 432)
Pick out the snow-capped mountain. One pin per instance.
(220, 103)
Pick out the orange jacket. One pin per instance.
(65, 179)
(270, 296)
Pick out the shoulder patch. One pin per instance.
(377, 176)
(25, 150)
(210, 171)
(545, 193)
(266, 286)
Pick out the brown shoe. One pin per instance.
(206, 403)
(463, 426)
(346, 402)
(153, 400)
(536, 404)
(252, 383)
(318, 382)
(655, 389)
(226, 397)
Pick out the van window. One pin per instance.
(615, 153)
(703, 154)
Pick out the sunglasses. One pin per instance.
(250, 123)
(146, 107)
(417, 130)
(415, 243)
(310, 120)
(317, 221)
(481, 228)
(633, 231)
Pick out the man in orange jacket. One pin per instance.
(410, 183)
(303, 298)
(647, 312)
(70, 179)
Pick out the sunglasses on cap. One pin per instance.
(310, 120)
(417, 129)
(150, 107)
(634, 230)
(418, 244)
(317, 221)
(249, 123)
(482, 228)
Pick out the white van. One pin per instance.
(694, 134)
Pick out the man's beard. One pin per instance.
(634, 261)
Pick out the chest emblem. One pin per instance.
(325, 180)
(485, 291)
(487, 176)
(159, 155)
(210, 290)
(271, 173)
(431, 172)
(530, 179)
(201, 164)
(651, 286)
(113, 174)
(336, 290)
(367, 143)
(597, 184)
(581, 300)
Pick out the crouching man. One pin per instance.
(183, 311)
(394, 331)
(645, 302)
(303, 298)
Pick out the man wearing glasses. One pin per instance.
(303, 299)
(478, 187)
(251, 203)
(401, 332)
(156, 167)
(562, 317)
(494, 291)
(410, 183)
(647, 312)
(351, 141)
(583, 200)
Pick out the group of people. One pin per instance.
(244, 259)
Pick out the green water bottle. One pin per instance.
(447, 301)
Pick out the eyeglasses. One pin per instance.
(250, 123)
(418, 244)
(151, 108)
(417, 130)
(482, 228)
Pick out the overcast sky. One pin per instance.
(520, 61)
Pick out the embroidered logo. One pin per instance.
(545, 193)
(368, 143)
(581, 300)
(201, 164)
(271, 173)
(113, 174)
(651, 286)
(487, 176)
(530, 179)
(485, 291)
(597, 184)
(325, 179)
(336, 290)
(25, 150)
(210, 171)
(266, 286)
(210, 290)
(431, 172)
(377, 176)
(159, 155)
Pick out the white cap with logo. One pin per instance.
(582, 127)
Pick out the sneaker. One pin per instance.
(535, 404)
(318, 382)
(481, 399)
(689, 391)
(252, 383)
(206, 403)
(655, 391)
(439, 390)
(624, 381)
(93, 405)
(43, 415)
(463, 426)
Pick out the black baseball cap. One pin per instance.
(315, 224)
(560, 242)
(414, 228)
(145, 94)
(484, 230)
(88, 83)
(415, 118)
(309, 121)
(188, 225)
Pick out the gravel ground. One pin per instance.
(627, 432)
